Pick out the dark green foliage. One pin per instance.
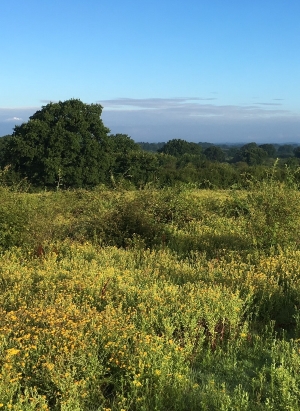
(219, 175)
(205, 145)
(178, 147)
(138, 168)
(296, 152)
(269, 149)
(285, 150)
(250, 154)
(8, 176)
(152, 147)
(122, 144)
(167, 170)
(3, 149)
(125, 156)
(194, 160)
(230, 151)
(214, 153)
(64, 144)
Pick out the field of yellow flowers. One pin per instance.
(170, 300)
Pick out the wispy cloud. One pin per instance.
(14, 119)
(9, 117)
(200, 119)
(151, 103)
(269, 104)
(16, 114)
(192, 106)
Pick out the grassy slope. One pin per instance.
(150, 300)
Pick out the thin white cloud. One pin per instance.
(150, 103)
(195, 119)
(193, 107)
(10, 117)
(17, 112)
(14, 119)
(269, 104)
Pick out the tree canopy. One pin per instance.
(251, 154)
(178, 147)
(214, 153)
(269, 149)
(64, 142)
(285, 150)
(122, 144)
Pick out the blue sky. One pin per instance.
(211, 70)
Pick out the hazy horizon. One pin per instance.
(179, 119)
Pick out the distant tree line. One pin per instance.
(229, 152)
(66, 145)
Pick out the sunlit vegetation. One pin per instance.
(181, 295)
(172, 299)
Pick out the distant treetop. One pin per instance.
(178, 147)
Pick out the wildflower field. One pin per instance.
(169, 300)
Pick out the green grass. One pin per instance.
(177, 299)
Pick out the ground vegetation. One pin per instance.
(137, 299)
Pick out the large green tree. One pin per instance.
(63, 143)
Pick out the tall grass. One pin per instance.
(150, 300)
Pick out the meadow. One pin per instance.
(150, 300)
